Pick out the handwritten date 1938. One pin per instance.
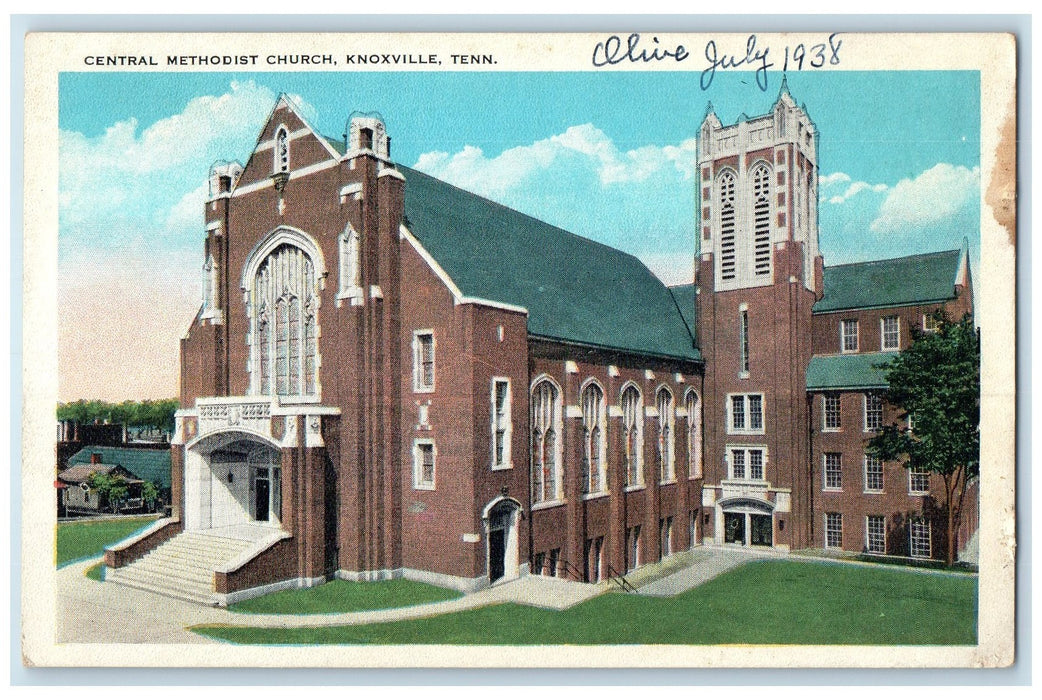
(614, 50)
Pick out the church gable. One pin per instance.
(287, 144)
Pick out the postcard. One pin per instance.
(519, 350)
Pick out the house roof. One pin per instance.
(684, 295)
(149, 465)
(855, 371)
(82, 472)
(574, 289)
(916, 279)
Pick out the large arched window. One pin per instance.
(725, 198)
(694, 434)
(633, 435)
(546, 444)
(761, 220)
(284, 324)
(594, 443)
(666, 418)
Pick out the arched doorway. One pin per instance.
(746, 521)
(231, 479)
(501, 518)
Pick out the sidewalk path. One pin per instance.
(707, 563)
(89, 611)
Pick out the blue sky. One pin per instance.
(606, 155)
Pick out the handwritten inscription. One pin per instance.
(633, 49)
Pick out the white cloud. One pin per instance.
(471, 169)
(832, 178)
(854, 188)
(932, 197)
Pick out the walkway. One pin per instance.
(705, 564)
(89, 611)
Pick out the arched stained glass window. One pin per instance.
(633, 435)
(666, 418)
(285, 324)
(694, 434)
(546, 431)
(594, 444)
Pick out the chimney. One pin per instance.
(95, 458)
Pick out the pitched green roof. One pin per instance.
(684, 295)
(856, 371)
(916, 279)
(146, 464)
(575, 289)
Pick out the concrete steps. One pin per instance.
(181, 567)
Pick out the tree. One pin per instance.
(111, 490)
(936, 382)
(149, 492)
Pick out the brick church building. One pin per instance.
(390, 376)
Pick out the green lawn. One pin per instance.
(777, 602)
(346, 596)
(80, 540)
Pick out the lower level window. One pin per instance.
(666, 530)
(747, 463)
(633, 548)
(834, 530)
(423, 464)
(919, 536)
(875, 534)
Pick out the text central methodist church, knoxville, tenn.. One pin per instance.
(390, 376)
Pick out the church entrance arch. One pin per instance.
(747, 522)
(501, 518)
(232, 478)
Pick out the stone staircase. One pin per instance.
(182, 567)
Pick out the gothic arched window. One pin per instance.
(350, 272)
(762, 220)
(666, 418)
(633, 435)
(546, 449)
(284, 324)
(594, 443)
(694, 434)
(281, 164)
(725, 196)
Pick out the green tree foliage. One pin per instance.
(112, 490)
(936, 381)
(157, 414)
(149, 493)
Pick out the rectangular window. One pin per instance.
(746, 462)
(423, 361)
(873, 412)
(746, 413)
(873, 474)
(833, 471)
(756, 465)
(423, 465)
(875, 534)
(890, 333)
(918, 481)
(551, 565)
(930, 323)
(737, 464)
(919, 538)
(848, 335)
(743, 330)
(834, 530)
(501, 425)
(831, 411)
(738, 413)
